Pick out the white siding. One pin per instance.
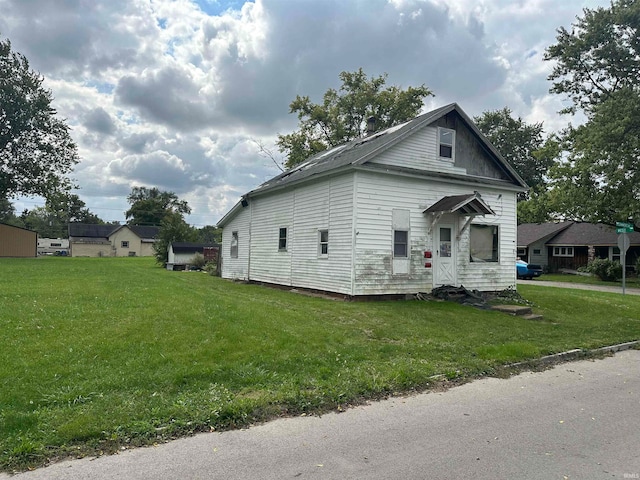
(323, 205)
(492, 276)
(236, 268)
(376, 197)
(269, 214)
(418, 151)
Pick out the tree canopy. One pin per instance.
(172, 229)
(149, 206)
(600, 56)
(36, 150)
(342, 116)
(52, 220)
(598, 68)
(519, 143)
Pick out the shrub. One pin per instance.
(605, 269)
(198, 261)
(211, 268)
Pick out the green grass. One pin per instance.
(103, 353)
(631, 281)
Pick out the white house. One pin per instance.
(420, 205)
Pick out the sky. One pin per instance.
(181, 94)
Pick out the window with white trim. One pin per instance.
(400, 243)
(323, 243)
(234, 245)
(124, 244)
(282, 239)
(563, 251)
(484, 243)
(446, 143)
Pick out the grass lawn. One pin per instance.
(98, 354)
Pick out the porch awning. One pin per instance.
(469, 205)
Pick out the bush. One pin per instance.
(198, 261)
(605, 269)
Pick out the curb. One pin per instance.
(576, 354)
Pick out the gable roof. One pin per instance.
(89, 230)
(529, 233)
(572, 234)
(581, 234)
(358, 152)
(470, 204)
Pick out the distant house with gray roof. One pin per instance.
(419, 205)
(92, 240)
(571, 245)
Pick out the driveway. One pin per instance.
(576, 421)
(581, 286)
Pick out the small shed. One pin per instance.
(17, 242)
(181, 254)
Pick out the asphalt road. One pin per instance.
(579, 420)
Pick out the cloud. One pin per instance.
(169, 96)
(99, 121)
(170, 93)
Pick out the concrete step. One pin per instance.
(512, 309)
(517, 310)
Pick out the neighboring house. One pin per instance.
(572, 245)
(181, 254)
(532, 238)
(88, 240)
(17, 241)
(420, 205)
(53, 246)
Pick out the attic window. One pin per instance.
(446, 142)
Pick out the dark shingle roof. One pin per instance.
(591, 234)
(470, 204)
(89, 230)
(145, 231)
(190, 247)
(529, 233)
(359, 151)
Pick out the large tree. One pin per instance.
(149, 206)
(343, 114)
(519, 143)
(52, 220)
(597, 65)
(36, 150)
(172, 229)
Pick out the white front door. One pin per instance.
(445, 258)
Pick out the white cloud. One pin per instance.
(171, 93)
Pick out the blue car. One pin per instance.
(527, 270)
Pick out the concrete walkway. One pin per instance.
(581, 286)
